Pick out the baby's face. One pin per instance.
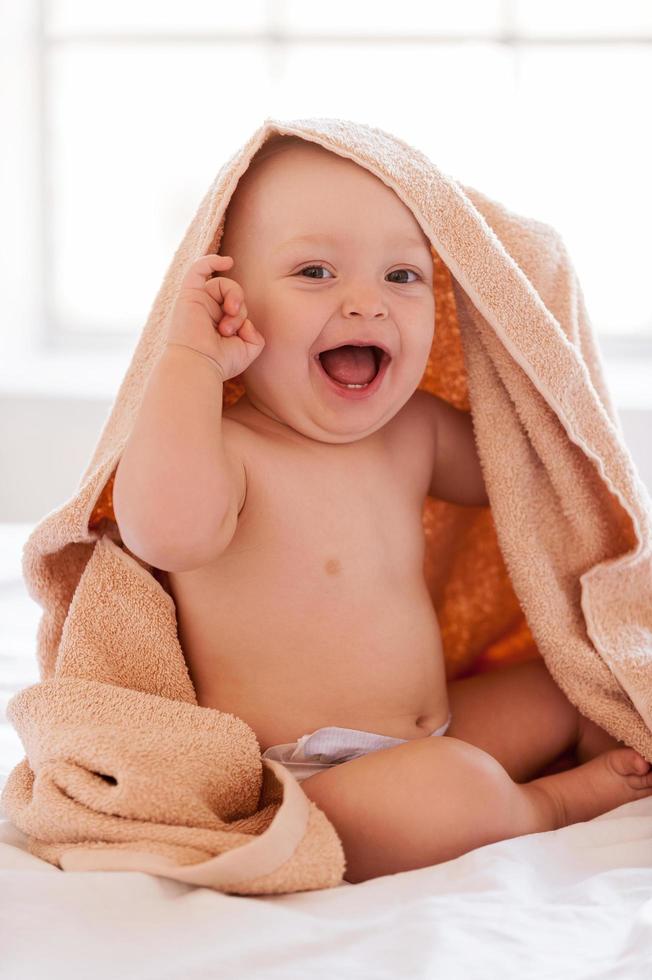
(363, 271)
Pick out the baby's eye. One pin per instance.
(305, 269)
(403, 270)
(309, 267)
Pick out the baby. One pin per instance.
(290, 528)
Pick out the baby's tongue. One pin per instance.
(350, 365)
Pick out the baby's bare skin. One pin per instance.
(433, 799)
(317, 613)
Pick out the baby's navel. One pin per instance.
(332, 566)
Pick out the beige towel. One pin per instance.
(123, 769)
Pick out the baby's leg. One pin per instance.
(521, 717)
(433, 799)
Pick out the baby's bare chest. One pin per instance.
(321, 526)
(314, 538)
(331, 547)
(323, 577)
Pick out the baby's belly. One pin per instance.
(288, 666)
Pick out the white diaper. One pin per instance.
(331, 746)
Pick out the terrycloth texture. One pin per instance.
(124, 770)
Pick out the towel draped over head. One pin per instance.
(125, 771)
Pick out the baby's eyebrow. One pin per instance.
(408, 241)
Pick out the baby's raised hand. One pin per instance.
(210, 315)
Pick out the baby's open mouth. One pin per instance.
(352, 366)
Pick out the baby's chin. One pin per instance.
(321, 410)
(336, 429)
(305, 428)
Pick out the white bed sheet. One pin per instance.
(573, 904)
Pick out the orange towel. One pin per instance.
(125, 771)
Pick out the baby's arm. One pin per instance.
(177, 491)
(457, 475)
(174, 489)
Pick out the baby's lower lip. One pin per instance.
(355, 394)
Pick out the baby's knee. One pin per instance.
(414, 805)
(478, 802)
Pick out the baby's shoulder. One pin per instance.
(416, 420)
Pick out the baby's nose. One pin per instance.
(368, 308)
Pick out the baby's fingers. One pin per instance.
(250, 335)
(229, 294)
(229, 324)
(203, 268)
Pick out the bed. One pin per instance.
(569, 904)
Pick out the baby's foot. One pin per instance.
(605, 782)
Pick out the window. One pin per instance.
(129, 108)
